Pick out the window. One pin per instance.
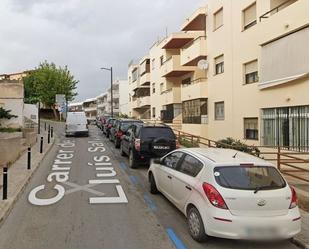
(251, 72)
(153, 87)
(172, 159)
(161, 60)
(219, 110)
(287, 127)
(153, 112)
(218, 19)
(186, 81)
(190, 166)
(251, 128)
(219, 64)
(249, 178)
(195, 111)
(134, 75)
(249, 16)
(161, 87)
(153, 64)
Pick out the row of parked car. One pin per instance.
(138, 140)
(222, 192)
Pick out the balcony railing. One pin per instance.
(172, 95)
(277, 9)
(199, 80)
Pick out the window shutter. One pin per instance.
(219, 59)
(218, 18)
(250, 14)
(251, 67)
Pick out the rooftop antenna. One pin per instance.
(235, 155)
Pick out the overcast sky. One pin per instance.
(85, 35)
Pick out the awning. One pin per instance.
(277, 82)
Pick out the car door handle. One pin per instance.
(187, 187)
(169, 177)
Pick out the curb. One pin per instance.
(300, 243)
(25, 184)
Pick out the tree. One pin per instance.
(48, 80)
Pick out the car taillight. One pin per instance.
(294, 199)
(177, 144)
(214, 196)
(119, 134)
(137, 144)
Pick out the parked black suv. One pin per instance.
(118, 129)
(142, 142)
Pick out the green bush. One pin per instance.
(5, 114)
(4, 129)
(237, 145)
(188, 143)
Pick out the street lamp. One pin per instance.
(111, 70)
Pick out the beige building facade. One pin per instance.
(236, 68)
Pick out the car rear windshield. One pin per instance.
(249, 177)
(156, 132)
(126, 124)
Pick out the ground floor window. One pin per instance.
(170, 112)
(195, 111)
(287, 127)
(251, 128)
(219, 110)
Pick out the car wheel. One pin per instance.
(152, 185)
(132, 160)
(121, 150)
(196, 225)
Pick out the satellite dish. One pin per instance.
(203, 64)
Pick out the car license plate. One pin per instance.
(262, 232)
(161, 147)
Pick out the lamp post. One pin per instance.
(111, 70)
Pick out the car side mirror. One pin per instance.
(158, 161)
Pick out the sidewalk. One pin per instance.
(19, 176)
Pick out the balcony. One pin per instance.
(141, 102)
(280, 5)
(193, 52)
(171, 96)
(197, 21)
(195, 90)
(172, 68)
(178, 40)
(286, 18)
(145, 79)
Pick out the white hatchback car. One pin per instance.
(226, 193)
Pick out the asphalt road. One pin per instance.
(93, 200)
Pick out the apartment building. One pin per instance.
(102, 105)
(75, 107)
(236, 68)
(120, 99)
(90, 108)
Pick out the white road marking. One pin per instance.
(86, 188)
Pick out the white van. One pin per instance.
(76, 124)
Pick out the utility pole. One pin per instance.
(112, 107)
